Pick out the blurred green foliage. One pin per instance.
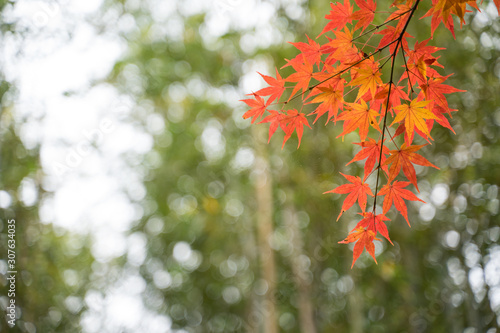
(202, 268)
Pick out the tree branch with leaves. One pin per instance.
(341, 73)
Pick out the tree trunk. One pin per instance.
(303, 283)
(263, 193)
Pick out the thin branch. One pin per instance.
(391, 81)
(407, 70)
(381, 25)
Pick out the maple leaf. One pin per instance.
(274, 119)
(368, 80)
(497, 4)
(276, 89)
(358, 191)
(457, 7)
(441, 119)
(421, 49)
(404, 158)
(344, 48)
(258, 107)
(403, 9)
(397, 94)
(312, 52)
(303, 74)
(434, 90)
(364, 240)
(370, 151)
(394, 194)
(391, 34)
(375, 223)
(365, 14)
(293, 121)
(331, 99)
(414, 116)
(339, 16)
(418, 70)
(360, 116)
(441, 11)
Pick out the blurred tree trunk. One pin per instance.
(355, 299)
(264, 196)
(302, 282)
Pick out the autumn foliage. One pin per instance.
(374, 79)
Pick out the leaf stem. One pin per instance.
(391, 81)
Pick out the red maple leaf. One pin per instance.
(290, 121)
(312, 52)
(422, 50)
(370, 151)
(344, 48)
(434, 90)
(331, 99)
(339, 16)
(365, 14)
(394, 194)
(441, 10)
(390, 35)
(364, 240)
(397, 94)
(375, 223)
(276, 89)
(258, 107)
(357, 190)
(274, 119)
(293, 121)
(303, 74)
(404, 158)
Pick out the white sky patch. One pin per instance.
(83, 132)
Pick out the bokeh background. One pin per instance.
(145, 203)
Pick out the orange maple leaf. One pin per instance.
(368, 80)
(258, 107)
(441, 11)
(390, 35)
(360, 116)
(364, 240)
(303, 74)
(434, 90)
(394, 194)
(375, 223)
(344, 48)
(276, 89)
(290, 121)
(414, 116)
(339, 16)
(404, 158)
(358, 191)
(370, 151)
(312, 52)
(331, 99)
(293, 121)
(274, 119)
(365, 14)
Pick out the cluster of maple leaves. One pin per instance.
(342, 78)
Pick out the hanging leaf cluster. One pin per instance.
(375, 80)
